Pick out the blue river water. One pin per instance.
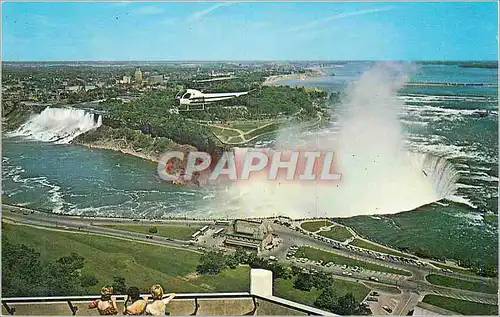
(456, 122)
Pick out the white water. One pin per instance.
(58, 125)
(380, 176)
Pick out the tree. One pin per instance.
(241, 256)
(231, 261)
(347, 305)
(328, 299)
(21, 266)
(119, 286)
(153, 230)
(296, 270)
(321, 280)
(303, 282)
(211, 262)
(88, 280)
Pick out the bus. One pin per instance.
(218, 232)
(202, 230)
(222, 222)
(197, 233)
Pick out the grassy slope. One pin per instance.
(374, 247)
(139, 263)
(461, 306)
(168, 231)
(461, 284)
(316, 255)
(314, 226)
(439, 229)
(454, 269)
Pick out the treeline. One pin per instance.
(25, 274)
(151, 116)
(267, 102)
(127, 138)
(213, 262)
(240, 82)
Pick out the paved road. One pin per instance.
(407, 302)
(418, 273)
(57, 222)
(416, 284)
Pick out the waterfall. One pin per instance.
(379, 174)
(440, 173)
(58, 125)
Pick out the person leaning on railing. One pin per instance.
(106, 305)
(134, 304)
(159, 304)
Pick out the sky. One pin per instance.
(249, 31)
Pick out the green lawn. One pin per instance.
(461, 306)
(370, 246)
(454, 269)
(220, 132)
(262, 130)
(338, 233)
(314, 226)
(439, 231)
(168, 231)
(383, 288)
(284, 289)
(247, 126)
(235, 139)
(475, 286)
(141, 264)
(317, 255)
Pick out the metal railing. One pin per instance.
(73, 301)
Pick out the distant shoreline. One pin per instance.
(114, 148)
(273, 80)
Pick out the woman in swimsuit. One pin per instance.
(159, 304)
(134, 304)
(106, 305)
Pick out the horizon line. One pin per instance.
(250, 60)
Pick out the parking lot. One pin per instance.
(356, 272)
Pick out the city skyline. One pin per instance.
(196, 31)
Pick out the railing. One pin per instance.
(73, 301)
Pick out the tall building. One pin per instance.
(138, 76)
(126, 80)
(156, 78)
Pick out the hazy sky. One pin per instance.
(248, 31)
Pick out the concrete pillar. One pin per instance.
(261, 282)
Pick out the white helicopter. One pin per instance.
(195, 97)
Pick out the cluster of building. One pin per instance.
(140, 78)
(251, 235)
